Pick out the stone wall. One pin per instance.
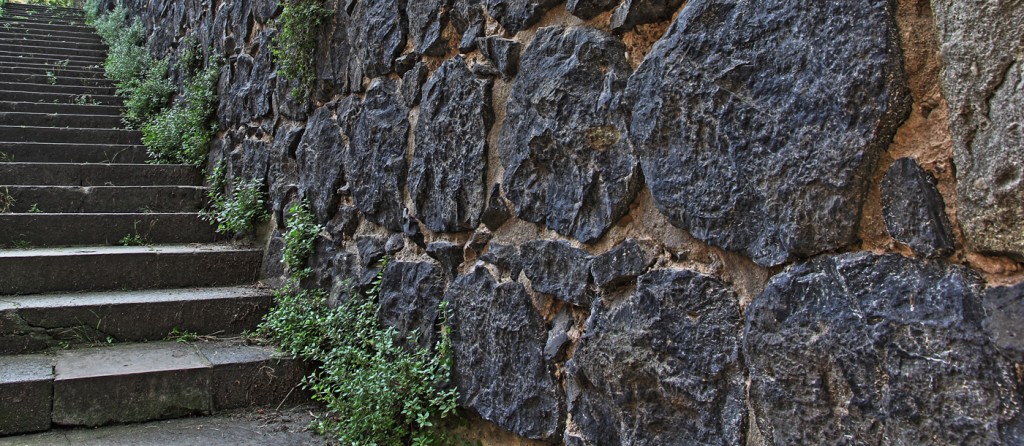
(718, 222)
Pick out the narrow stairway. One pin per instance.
(84, 321)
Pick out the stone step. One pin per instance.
(60, 98)
(40, 35)
(97, 56)
(60, 119)
(41, 230)
(78, 174)
(49, 270)
(106, 199)
(42, 69)
(57, 88)
(37, 40)
(68, 109)
(41, 322)
(44, 9)
(55, 77)
(42, 20)
(14, 25)
(71, 135)
(57, 65)
(73, 153)
(130, 383)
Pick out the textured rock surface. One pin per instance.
(621, 264)
(500, 371)
(505, 257)
(427, 18)
(874, 349)
(503, 53)
(577, 179)
(376, 35)
(375, 156)
(320, 156)
(496, 212)
(1004, 322)
(915, 213)
(409, 295)
(722, 126)
(446, 178)
(560, 270)
(638, 12)
(517, 15)
(663, 367)
(982, 55)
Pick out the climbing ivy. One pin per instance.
(295, 44)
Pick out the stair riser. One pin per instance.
(49, 63)
(73, 109)
(29, 330)
(31, 174)
(56, 88)
(85, 200)
(70, 153)
(32, 275)
(61, 98)
(41, 70)
(69, 135)
(46, 27)
(84, 55)
(24, 34)
(102, 229)
(54, 42)
(64, 120)
(58, 78)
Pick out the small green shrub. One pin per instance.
(182, 134)
(300, 238)
(295, 45)
(376, 391)
(140, 78)
(239, 212)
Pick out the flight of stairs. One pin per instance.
(84, 321)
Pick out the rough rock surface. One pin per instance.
(446, 178)
(449, 255)
(868, 349)
(638, 12)
(409, 295)
(496, 212)
(498, 340)
(468, 18)
(505, 257)
(982, 56)
(503, 53)
(377, 36)
(621, 264)
(722, 126)
(427, 18)
(577, 179)
(1004, 322)
(915, 213)
(375, 156)
(517, 15)
(661, 368)
(320, 156)
(560, 270)
(588, 9)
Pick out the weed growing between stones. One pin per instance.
(375, 390)
(132, 240)
(6, 200)
(239, 211)
(34, 209)
(295, 45)
(299, 239)
(182, 134)
(6, 157)
(182, 336)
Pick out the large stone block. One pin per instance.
(320, 157)
(498, 339)
(410, 293)
(982, 57)
(915, 213)
(375, 155)
(26, 392)
(517, 15)
(577, 179)
(662, 367)
(867, 349)
(758, 125)
(446, 178)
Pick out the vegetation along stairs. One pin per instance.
(84, 321)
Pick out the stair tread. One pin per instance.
(64, 300)
(123, 250)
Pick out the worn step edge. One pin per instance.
(74, 153)
(60, 78)
(35, 271)
(60, 98)
(40, 322)
(65, 229)
(105, 199)
(72, 120)
(95, 174)
(71, 135)
(49, 108)
(142, 382)
(107, 90)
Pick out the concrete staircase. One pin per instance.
(83, 321)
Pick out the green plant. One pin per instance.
(182, 336)
(51, 77)
(132, 240)
(182, 133)
(238, 212)
(300, 238)
(295, 45)
(22, 244)
(34, 209)
(6, 157)
(375, 390)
